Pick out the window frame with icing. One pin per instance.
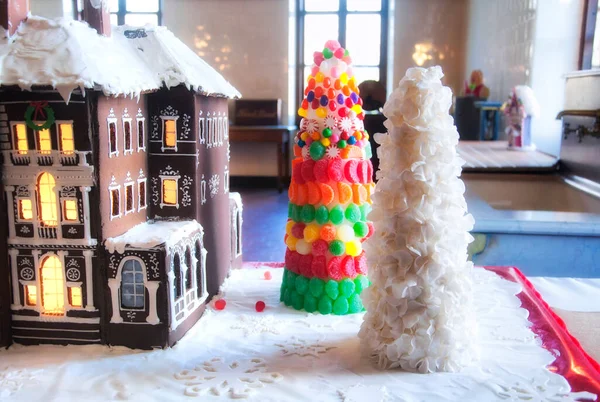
(62, 140)
(39, 140)
(15, 137)
(65, 210)
(142, 266)
(53, 201)
(111, 195)
(60, 286)
(142, 181)
(20, 217)
(141, 133)
(112, 139)
(129, 198)
(74, 287)
(163, 203)
(127, 142)
(166, 135)
(31, 295)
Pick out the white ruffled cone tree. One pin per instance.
(419, 305)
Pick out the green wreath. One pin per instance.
(39, 108)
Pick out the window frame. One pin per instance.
(588, 31)
(40, 203)
(58, 123)
(127, 145)
(28, 294)
(144, 281)
(141, 134)
(78, 11)
(15, 139)
(64, 209)
(111, 189)
(31, 202)
(162, 191)
(63, 285)
(342, 13)
(111, 153)
(164, 120)
(129, 185)
(38, 143)
(143, 181)
(70, 287)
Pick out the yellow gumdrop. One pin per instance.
(291, 242)
(321, 112)
(353, 248)
(302, 112)
(358, 135)
(288, 227)
(326, 142)
(357, 109)
(303, 247)
(319, 77)
(345, 233)
(344, 78)
(315, 136)
(366, 136)
(304, 136)
(311, 232)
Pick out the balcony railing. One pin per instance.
(45, 158)
(47, 232)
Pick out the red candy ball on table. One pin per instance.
(260, 306)
(268, 275)
(220, 304)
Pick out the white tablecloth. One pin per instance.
(571, 294)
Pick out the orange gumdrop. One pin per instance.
(359, 194)
(297, 151)
(293, 192)
(327, 194)
(345, 152)
(314, 194)
(369, 190)
(302, 195)
(344, 192)
(328, 232)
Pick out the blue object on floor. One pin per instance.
(489, 119)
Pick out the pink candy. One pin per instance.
(335, 72)
(260, 306)
(339, 53)
(268, 276)
(318, 58)
(314, 71)
(333, 45)
(334, 138)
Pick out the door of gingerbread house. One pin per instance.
(235, 216)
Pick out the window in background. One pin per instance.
(359, 25)
(590, 37)
(130, 12)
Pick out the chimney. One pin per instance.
(12, 13)
(97, 15)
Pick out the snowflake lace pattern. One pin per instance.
(253, 325)
(303, 348)
(235, 379)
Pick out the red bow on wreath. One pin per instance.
(38, 113)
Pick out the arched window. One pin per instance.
(199, 278)
(52, 280)
(47, 205)
(190, 269)
(133, 291)
(177, 271)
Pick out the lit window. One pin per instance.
(141, 135)
(169, 191)
(20, 133)
(47, 205)
(25, 210)
(135, 12)
(70, 210)
(31, 295)
(44, 141)
(127, 132)
(132, 285)
(75, 298)
(67, 142)
(115, 200)
(170, 130)
(142, 194)
(129, 198)
(112, 137)
(53, 297)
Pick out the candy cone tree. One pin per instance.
(419, 315)
(330, 193)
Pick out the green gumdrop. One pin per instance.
(301, 284)
(296, 214)
(297, 300)
(340, 306)
(336, 215)
(316, 286)
(317, 150)
(322, 215)
(346, 52)
(353, 213)
(337, 247)
(360, 283)
(291, 278)
(287, 297)
(327, 53)
(310, 303)
(327, 132)
(361, 229)
(364, 211)
(282, 290)
(346, 287)
(368, 150)
(341, 144)
(291, 210)
(308, 213)
(325, 305)
(332, 289)
(355, 304)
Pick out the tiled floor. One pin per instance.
(265, 215)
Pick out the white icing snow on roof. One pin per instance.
(149, 235)
(67, 54)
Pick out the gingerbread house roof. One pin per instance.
(67, 55)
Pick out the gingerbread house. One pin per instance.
(115, 173)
